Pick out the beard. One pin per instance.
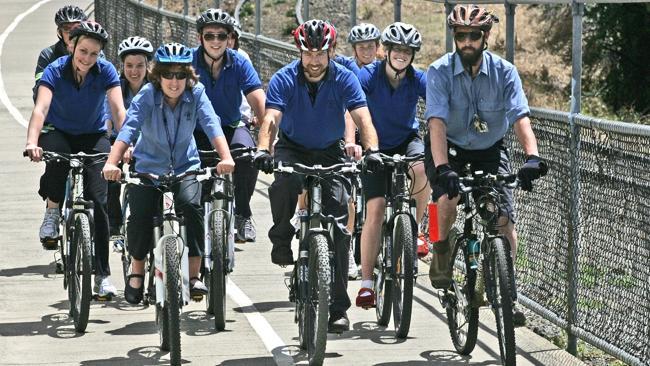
(470, 56)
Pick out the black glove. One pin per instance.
(448, 180)
(263, 161)
(534, 168)
(372, 161)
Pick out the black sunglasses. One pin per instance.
(473, 36)
(212, 36)
(179, 75)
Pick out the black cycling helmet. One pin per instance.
(215, 17)
(90, 29)
(69, 14)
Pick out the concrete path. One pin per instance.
(34, 324)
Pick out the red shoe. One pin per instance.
(423, 246)
(366, 298)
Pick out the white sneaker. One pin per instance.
(103, 287)
(353, 272)
(50, 226)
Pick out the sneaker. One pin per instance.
(338, 323)
(103, 287)
(440, 270)
(245, 229)
(518, 316)
(295, 220)
(366, 298)
(423, 246)
(118, 243)
(49, 232)
(197, 288)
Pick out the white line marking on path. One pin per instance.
(4, 98)
(272, 341)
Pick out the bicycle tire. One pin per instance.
(403, 274)
(79, 273)
(314, 317)
(462, 314)
(216, 298)
(173, 299)
(502, 301)
(125, 257)
(382, 284)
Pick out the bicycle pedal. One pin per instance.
(197, 298)
(98, 297)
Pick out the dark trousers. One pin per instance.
(283, 195)
(245, 175)
(114, 206)
(145, 204)
(52, 183)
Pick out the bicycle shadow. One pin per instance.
(141, 356)
(440, 357)
(291, 354)
(45, 270)
(371, 331)
(57, 325)
(266, 306)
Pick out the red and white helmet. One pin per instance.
(315, 35)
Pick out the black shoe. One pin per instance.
(133, 295)
(282, 255)
(338, 323)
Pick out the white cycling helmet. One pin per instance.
(404, 34)
(135, 45)
(363, 32)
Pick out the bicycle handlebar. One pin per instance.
(316, 170)
(397, 158)
(165, 180)
(240, 153)
(481, 180)
(59, 156)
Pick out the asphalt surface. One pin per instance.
(35, 327)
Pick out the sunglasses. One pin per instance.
(212, 36)
(473, 36)
(179, 75)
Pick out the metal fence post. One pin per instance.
(397, 12)
(510, 32)
(574, 205)
(258, 17)
(449, 41)
(353, 13)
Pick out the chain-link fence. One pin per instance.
(599, 184)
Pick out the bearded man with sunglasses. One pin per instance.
(226, 74)
(473, 98)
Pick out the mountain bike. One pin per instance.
(395, 270)
(76, 249)
(483, 250)
(219, 225)
(171, 269)
(312, 276)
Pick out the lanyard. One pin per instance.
(170, 142)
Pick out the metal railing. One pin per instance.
(584, 239)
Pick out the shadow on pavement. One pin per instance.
(57, 325)
(140, 356)
(266, 306)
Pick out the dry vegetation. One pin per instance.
(545, 76)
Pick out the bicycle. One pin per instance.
(396, 266)
(488, 251)
(76, 249)
(219, 225)
(311, 279)
(359, 202)
(170, 271)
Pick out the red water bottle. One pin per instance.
(434, 236)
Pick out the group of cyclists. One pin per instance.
(167, 103)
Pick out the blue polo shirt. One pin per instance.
(78, 109)
(495, 95)
(236, 77)
(393, 111)
(349, 62)
(165, 141)
(317, 124)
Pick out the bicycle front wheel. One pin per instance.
(314, 317)
(126, 212)
(462, 313)
(79, 272)
(382, 283)
(216, 276)
(403, 274)
(501, 298)
(170, 324)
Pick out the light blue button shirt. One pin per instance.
(165, 142)
(495, 95)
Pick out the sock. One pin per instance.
(366, 284)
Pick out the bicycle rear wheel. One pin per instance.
(314, 317)
(462, 314)
(403, 274)
(216, 276)
(501, 299)
(382, 283)
(79, 272)
(169, 327)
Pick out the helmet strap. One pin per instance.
(214, 60)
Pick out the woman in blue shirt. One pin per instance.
(164, 115)
(135, 54)
(70, 103)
